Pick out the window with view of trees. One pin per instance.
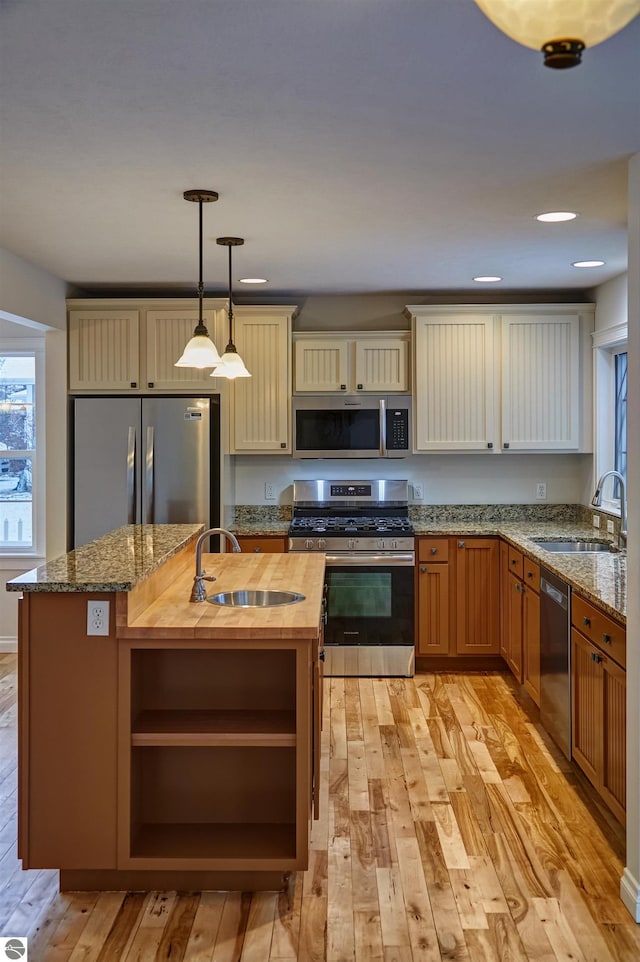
(620, 453)
(17, 449)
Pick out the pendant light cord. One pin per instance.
(200, 329)
(230, 346)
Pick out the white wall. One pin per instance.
(612, 303)
(32, 304)
(447, 478)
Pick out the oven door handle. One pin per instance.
(383, 427)
(366, 559)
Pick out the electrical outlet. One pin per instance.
(610, 527)
(418, 491)
(596, 520)
(541, 491)
(269, 490)
(97, 617)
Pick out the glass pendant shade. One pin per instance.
(200, 351)
(548, 24)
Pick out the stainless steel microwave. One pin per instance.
(352, 426)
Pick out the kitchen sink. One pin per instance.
(255, 599)
(568, 547)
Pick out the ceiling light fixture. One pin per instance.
(253, 280)
(231, 364)
(487, 279)
(561, 29)
(556, 216)
(200, 351)
(588, 264)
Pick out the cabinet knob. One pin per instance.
(283, 444)
(434, 551)
(587, 622)
(529, 574)
(506, 444)
(423, 568)
(596, 657)
(343, 387)
(514, 561)
(257, 550)
(149, 383)
(606, 639)
(359, 386)
(490, 444)
(461, 544)
(322, 655)
(134, 383)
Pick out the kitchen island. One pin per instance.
(178, 749)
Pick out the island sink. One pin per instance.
(256, 599)
(568, 547)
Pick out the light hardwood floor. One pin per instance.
(450, 830)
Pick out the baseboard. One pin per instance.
(8, 644)
(630, 894)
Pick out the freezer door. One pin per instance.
(103, 430)
(176, 483)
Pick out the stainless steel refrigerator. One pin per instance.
(143, 460)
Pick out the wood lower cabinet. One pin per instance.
(265, 544)
(477, 596)
(598, 692)
(520, 618)
(434, 595)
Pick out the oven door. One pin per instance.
(369, 628)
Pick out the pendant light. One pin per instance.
(200, 351)
(231, 364)
(561, 29)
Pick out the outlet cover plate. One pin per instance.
(418, 491)
(541, 491)
(97, 617)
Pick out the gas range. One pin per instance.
(351, 516)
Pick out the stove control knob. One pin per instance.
(351, 544)
(308, 543)
(322, 543)
(394, 544)
(381, 543)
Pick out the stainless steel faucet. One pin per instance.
(596, 501)
(199, 592)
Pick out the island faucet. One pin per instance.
(596, 501)
(199, 592)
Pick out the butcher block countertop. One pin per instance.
(172, 615)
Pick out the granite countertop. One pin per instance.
(116, 562)
(600, 577)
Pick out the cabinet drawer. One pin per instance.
(607, 634)
(531, 574)
(516, 562)
(265, 545)
(433, 549)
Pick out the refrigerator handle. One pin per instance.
(131, 476)
(149, 478)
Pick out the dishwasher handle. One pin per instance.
(558, 596)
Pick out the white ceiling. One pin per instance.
(357, 145)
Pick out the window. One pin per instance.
(20, 487)
(610, 425)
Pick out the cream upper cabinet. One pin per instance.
(502, 377)
(132, 345)
(351, 362)
(455, 403)
(260, 405)
(104, 349)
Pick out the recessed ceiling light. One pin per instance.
(556, 216)
(487, 279)
(587, 264)
(253, 280)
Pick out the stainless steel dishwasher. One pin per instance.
(555, 659)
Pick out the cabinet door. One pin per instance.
(260, 404)
(504, 600)
(321, 365)
(587, 707)
(166, 334)
(540, 382)
(614, 761)
(103, 350)
(455, 397)
(381, 365)
(531, 643)
(433, 609)
(477, 596)
(514, 627)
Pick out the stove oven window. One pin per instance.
(356, 594)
